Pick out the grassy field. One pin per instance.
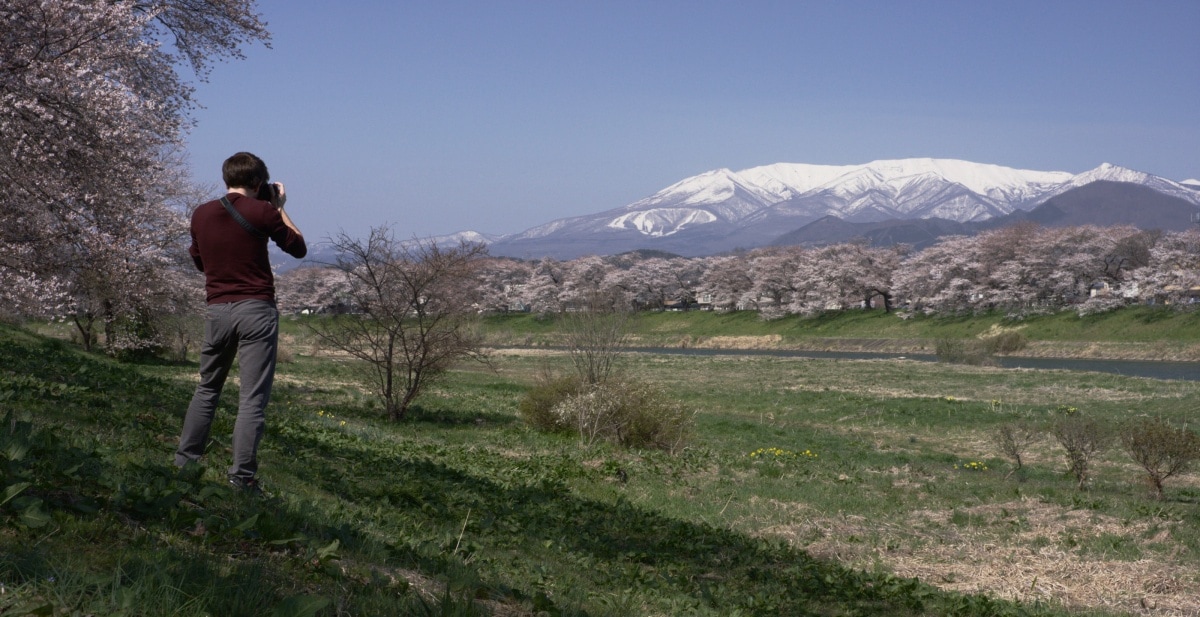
(810, 487)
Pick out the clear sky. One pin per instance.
(498, 115)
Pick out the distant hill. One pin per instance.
(1103, 203)
(1107, 203)
(919, 233)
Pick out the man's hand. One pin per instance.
(280, 196)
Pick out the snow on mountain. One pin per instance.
(1114, 173)
(723, 209)
(879, 189)
(662, 221)
(1191, 183)
(726, 194)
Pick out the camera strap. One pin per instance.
(254, 231)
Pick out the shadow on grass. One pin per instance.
(585, 544)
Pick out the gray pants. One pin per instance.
(250, 330)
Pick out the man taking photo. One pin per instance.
(229, 245)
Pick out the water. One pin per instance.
(1132, 368)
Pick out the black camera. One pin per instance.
(268, 191)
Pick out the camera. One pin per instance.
(268, 191)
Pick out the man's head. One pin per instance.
(245, 171)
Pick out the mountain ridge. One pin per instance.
(721, 210)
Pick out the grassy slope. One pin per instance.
(1141, 332)
(373, 518)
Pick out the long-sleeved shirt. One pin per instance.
(235, 264)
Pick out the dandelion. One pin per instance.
(780, 453)
(342, 423)
(973, 466)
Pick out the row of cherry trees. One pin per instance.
(1021, 269)
(92, 185)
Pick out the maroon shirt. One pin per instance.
(235, 264)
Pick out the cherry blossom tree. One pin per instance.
(726, 281)
(1173, 273)
(584, 283)
(773, 272)
(843, 276)
(545, 286)
(942, 278)
(655, 283)
(92, 115)
(316, 289)
(502, 284)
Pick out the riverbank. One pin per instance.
(1090, 350)
(1139, 333)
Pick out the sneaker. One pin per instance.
(249, 486)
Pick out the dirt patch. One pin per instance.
(770, 341)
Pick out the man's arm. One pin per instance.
(297, 248)
(287, 220)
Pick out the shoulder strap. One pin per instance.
(254, 231)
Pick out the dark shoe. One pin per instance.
(246, 485)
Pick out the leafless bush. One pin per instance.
(1013, 438)
(627, 413)
(409, 313)
(963, 351)
(1160, 449)
(537, 406)
(1005, 342)
(1083, 438)
(596, 336)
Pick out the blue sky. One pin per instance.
(496, 116)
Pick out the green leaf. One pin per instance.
(328, 551)
(300, 606)
(33, 516)
(247, 524)
(12, 490)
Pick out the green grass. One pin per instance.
(854, 329)
(463, 510)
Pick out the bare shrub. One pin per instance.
(537, 406)
(1005, 342)
(1013, 438)
(409, 313)
(596, 337)
(1160, 449)
(963, 351)
(284, 354)
(628, 413)
(1083, 438)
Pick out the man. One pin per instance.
(241, 316)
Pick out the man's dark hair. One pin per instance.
(244, 170)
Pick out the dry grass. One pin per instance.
(1017, 550)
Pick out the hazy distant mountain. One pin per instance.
(919, 233)
(721, 210)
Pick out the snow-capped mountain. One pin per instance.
(722, 209)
